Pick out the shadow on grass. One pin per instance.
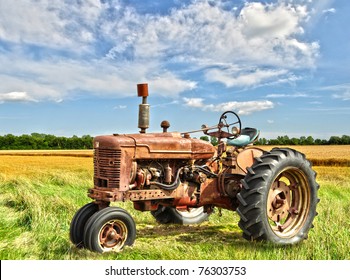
(178, 242)
(225, 234)
(193, 233)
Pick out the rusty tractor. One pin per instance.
(181, 180)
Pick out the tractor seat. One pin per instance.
(247, 136)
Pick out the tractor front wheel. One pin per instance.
(109, 229)
(279, 197)
(78, 222)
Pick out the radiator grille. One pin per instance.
(107, 168)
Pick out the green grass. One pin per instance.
(36, 210)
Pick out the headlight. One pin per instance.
(235, 130)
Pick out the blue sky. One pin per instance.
(71, 67)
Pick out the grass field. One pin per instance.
(40, 194)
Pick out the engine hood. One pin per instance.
(168, 145)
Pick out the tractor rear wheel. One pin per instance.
(279, 197)
(109, 229)
(169, 215)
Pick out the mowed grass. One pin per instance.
(40, 194)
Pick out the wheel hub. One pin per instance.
(279, 201)
(113, 235)
(287, 203)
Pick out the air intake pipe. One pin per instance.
(142, 91)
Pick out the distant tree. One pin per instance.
(294, 141)
(26, 142)
(345, 140)
(334, 140)
(283, 140)
(87, 141)
(10, 141)
(214, 140)
(44, 141)
(261, 141)
(49, 142)
(273, 142)
(204, 138)
(309, 140)
(302, 140)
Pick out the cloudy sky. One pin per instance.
(71, 67)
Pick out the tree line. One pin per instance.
(285, 140)
(38, 141)
(303, 140)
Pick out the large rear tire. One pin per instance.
(279, 198)
(169, 215)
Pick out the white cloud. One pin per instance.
(343, 96)
(194, 102)
(243, 78)
(169, 85)
(340, 91)
(330, 10)
(242, 108)
(120, 107)
(262, 34)
(283, 95)
(329, 110)
(56, 80)
(318, 10)
(315, 102)
(16, 97)
(106, 48)
(271, 21)
(262, 43)
(345, 86)
(43, 23)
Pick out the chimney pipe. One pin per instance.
(142, 91)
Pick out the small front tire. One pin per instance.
(110, 229)
(78, 223)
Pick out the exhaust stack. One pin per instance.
(142, 91)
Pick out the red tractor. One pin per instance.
(181, 180)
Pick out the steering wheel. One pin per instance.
(229, 120)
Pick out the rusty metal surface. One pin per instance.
(169, 145)
(167, 167)
(114, 155)
(107, 167)
(115, 169)
(246, 158)
(142, 90)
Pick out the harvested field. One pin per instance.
(325, 155)
(333, 155)
(63, 153)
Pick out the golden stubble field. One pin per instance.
(321, 152)
(314, 151)
(35, 163)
